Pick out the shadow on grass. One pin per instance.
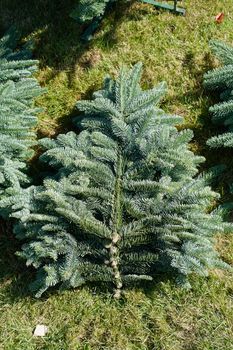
(56, 35)
(203, 128)
(13, 276)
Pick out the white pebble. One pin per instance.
(40, 330)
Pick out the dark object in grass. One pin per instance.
(161, 5)
(93, 12)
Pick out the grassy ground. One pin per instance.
(174, 49)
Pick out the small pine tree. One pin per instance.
(124, 204)
(220, 80)
(17, 114)
(15, 65)
(87, 10)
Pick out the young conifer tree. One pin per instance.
(87, 10)
(17, 113)
(220, 80)
(124, 203)
(15, 65)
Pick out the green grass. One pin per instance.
(165, 318)
(174, 49)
